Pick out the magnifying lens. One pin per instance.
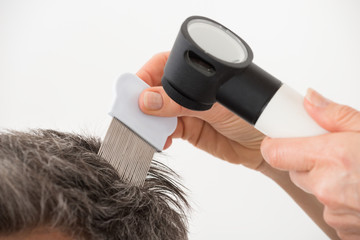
(209, 63)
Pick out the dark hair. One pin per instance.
(57, 180)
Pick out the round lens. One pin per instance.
(217, 41)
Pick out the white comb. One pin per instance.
(133, 137)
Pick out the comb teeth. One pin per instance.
(127, 152)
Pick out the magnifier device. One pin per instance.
(209, 63)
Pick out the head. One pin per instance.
(54, 185)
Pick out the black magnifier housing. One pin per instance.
(209, 63)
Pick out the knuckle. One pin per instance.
(181, 110)
(342, 112)
(341, 153)
(331, 219)
(344, 115)
(161, 56)
(347, 235)
(171, 106)
(157, 55)
(322, 193)
(347, 225)
(341, 234)
(298, 180)
(143, 74)
(272, 154)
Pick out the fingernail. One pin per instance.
(316, 99)
(153, 100)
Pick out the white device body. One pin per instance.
(285, 116)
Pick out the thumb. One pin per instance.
(330, 115)
(155, 101)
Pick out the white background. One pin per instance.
(59, 59)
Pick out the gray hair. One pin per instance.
(57, 180)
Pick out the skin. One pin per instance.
(224, 135)
(40, 233)
(232, 139)
(326, 166)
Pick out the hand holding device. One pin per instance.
(209, 63)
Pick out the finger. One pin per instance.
(180, 128)
(331, 116)
(153, 70)
(155, 101)
(346, 222)
(199, 134)
(316, 184)
(287, 154)
(349, 235)
(168, 143)
(301, 180)
(301, 154)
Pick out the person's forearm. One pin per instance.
(310, 205)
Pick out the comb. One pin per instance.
(133, 137)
